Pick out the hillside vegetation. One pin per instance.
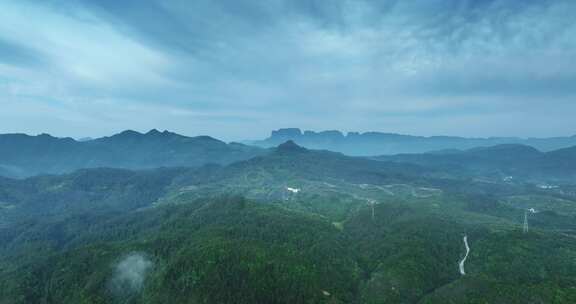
(291, 226)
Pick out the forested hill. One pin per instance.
(23, 155)
(291, 226)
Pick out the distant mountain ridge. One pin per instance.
(503, 161)
(378, 143)
(24, 155)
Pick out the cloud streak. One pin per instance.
(249, 66)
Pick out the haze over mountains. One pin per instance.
(435, 201)
(502, 162)
(23, 155)
(378, 143)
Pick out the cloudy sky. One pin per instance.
(236, 69)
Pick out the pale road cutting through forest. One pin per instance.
(462, 272)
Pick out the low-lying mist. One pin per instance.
(129, 274)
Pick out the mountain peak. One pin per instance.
(290, 146)
(128, 133)
(153, 132)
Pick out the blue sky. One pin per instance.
(236, 69)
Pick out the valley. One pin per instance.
(295, 225)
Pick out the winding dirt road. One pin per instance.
(462, 272)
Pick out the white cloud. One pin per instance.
(234, 70)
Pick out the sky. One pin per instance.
(237, 69)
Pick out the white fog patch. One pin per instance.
(130, 274)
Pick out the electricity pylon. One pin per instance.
(525, 227)
(372, 203)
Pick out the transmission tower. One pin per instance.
(525, 227)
